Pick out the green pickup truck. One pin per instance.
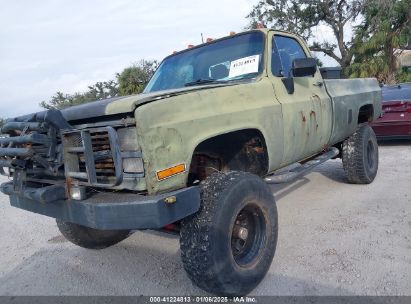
(195, 152)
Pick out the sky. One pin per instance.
(48, 46)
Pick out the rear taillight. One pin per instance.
(397, 106)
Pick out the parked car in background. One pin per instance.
(396, 120)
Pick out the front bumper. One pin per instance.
(111, 210)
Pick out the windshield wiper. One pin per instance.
(203, 81)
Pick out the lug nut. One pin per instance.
(241, 233)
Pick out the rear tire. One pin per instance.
(227, 247)
(360, 156)
(90, 238)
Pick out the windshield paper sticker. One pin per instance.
(242, 66)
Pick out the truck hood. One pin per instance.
(126, 104)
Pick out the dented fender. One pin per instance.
(169, 130)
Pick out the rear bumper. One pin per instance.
(393, 137)
(392, 129)
(113, 210)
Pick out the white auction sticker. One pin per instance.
(244, 66)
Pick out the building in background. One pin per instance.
(404, 59)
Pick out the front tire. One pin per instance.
(360, 156)
(90, 238)
(228, 246)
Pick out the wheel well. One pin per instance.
(243, 150)
(366, 113)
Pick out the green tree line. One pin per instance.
(131, 80)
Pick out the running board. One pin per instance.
(288, 176)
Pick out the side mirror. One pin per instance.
(304, 67)
(301, 67)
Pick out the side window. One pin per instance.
(285, 50)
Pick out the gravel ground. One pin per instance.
(334, 239)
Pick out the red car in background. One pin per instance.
(396, 120)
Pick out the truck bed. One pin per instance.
(349, 96)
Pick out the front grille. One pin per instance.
(74, 140)
(92, 157)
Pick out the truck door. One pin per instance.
(307, 113)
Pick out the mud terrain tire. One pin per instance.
(360, 156)
(90, 238)
(227, 247)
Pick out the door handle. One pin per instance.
(318, 84)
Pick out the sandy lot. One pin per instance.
(334, 239)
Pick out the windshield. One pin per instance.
(235, 58)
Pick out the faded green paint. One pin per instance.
(169, 130)
(307, 113)
(170, 124)
(351, 94)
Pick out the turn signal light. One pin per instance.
(163, 174)
(209, 39)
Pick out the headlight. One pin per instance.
(128, 139)
(128, 143)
